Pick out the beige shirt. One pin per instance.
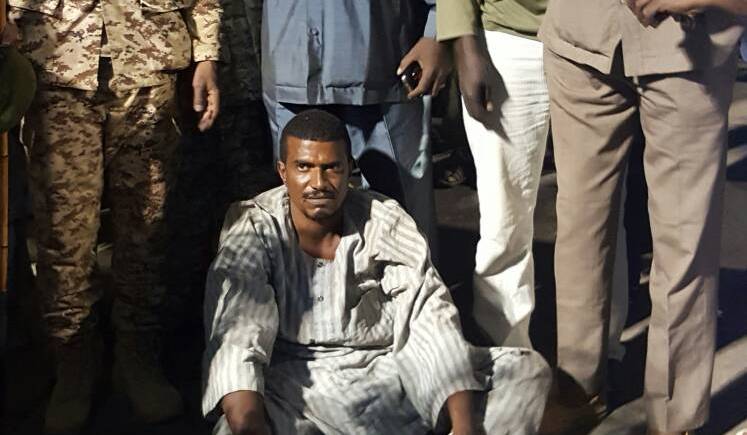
(589, 32)
(146, 39)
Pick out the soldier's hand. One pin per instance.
(205, 95)
(434, 60)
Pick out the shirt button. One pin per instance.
(320, 299)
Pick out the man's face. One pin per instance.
(316, 175)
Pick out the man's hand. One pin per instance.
(245, 413)
(475, 81)
(462, 416)
(434, 61)
(9, 34)
(652, 12)
(206, 97)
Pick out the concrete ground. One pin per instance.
(27, 372)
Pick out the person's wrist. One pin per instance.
(459, 407)
(461, 422)
(465, 49)
(465, 44)
(242, 402)
(209, 63)
(245, 413)
(461, 427)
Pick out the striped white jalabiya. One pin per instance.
(367, 343)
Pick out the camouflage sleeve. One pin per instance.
(204, 21)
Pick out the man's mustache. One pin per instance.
(319, 194)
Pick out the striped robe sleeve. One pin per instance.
(432, 355)
(241, 315)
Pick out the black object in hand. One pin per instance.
(411, 76)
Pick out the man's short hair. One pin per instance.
(317, 125)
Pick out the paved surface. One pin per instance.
(27, 370)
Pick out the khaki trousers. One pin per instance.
(82, 143)
(684, 120)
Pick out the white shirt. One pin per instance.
(378, 311)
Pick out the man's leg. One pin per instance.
(366, 396)
(64, 137)
(508, 161)
(684, 119)
(593, 120)
(141, 140)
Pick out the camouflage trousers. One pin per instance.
(82, 145)
(230, 162)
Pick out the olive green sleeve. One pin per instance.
(455, 18)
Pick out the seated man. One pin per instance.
(324, 314)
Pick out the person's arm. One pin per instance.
(458, 24)
(432, 56)
(241, 323)
(477, 78)
(245, 413)
(203, 22)
(461, 411)
(650, 12)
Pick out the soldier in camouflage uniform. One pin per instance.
(225, 164)
(104, 120)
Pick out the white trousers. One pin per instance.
(508, 160)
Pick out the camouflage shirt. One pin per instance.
(146, 39)
(239, 76)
